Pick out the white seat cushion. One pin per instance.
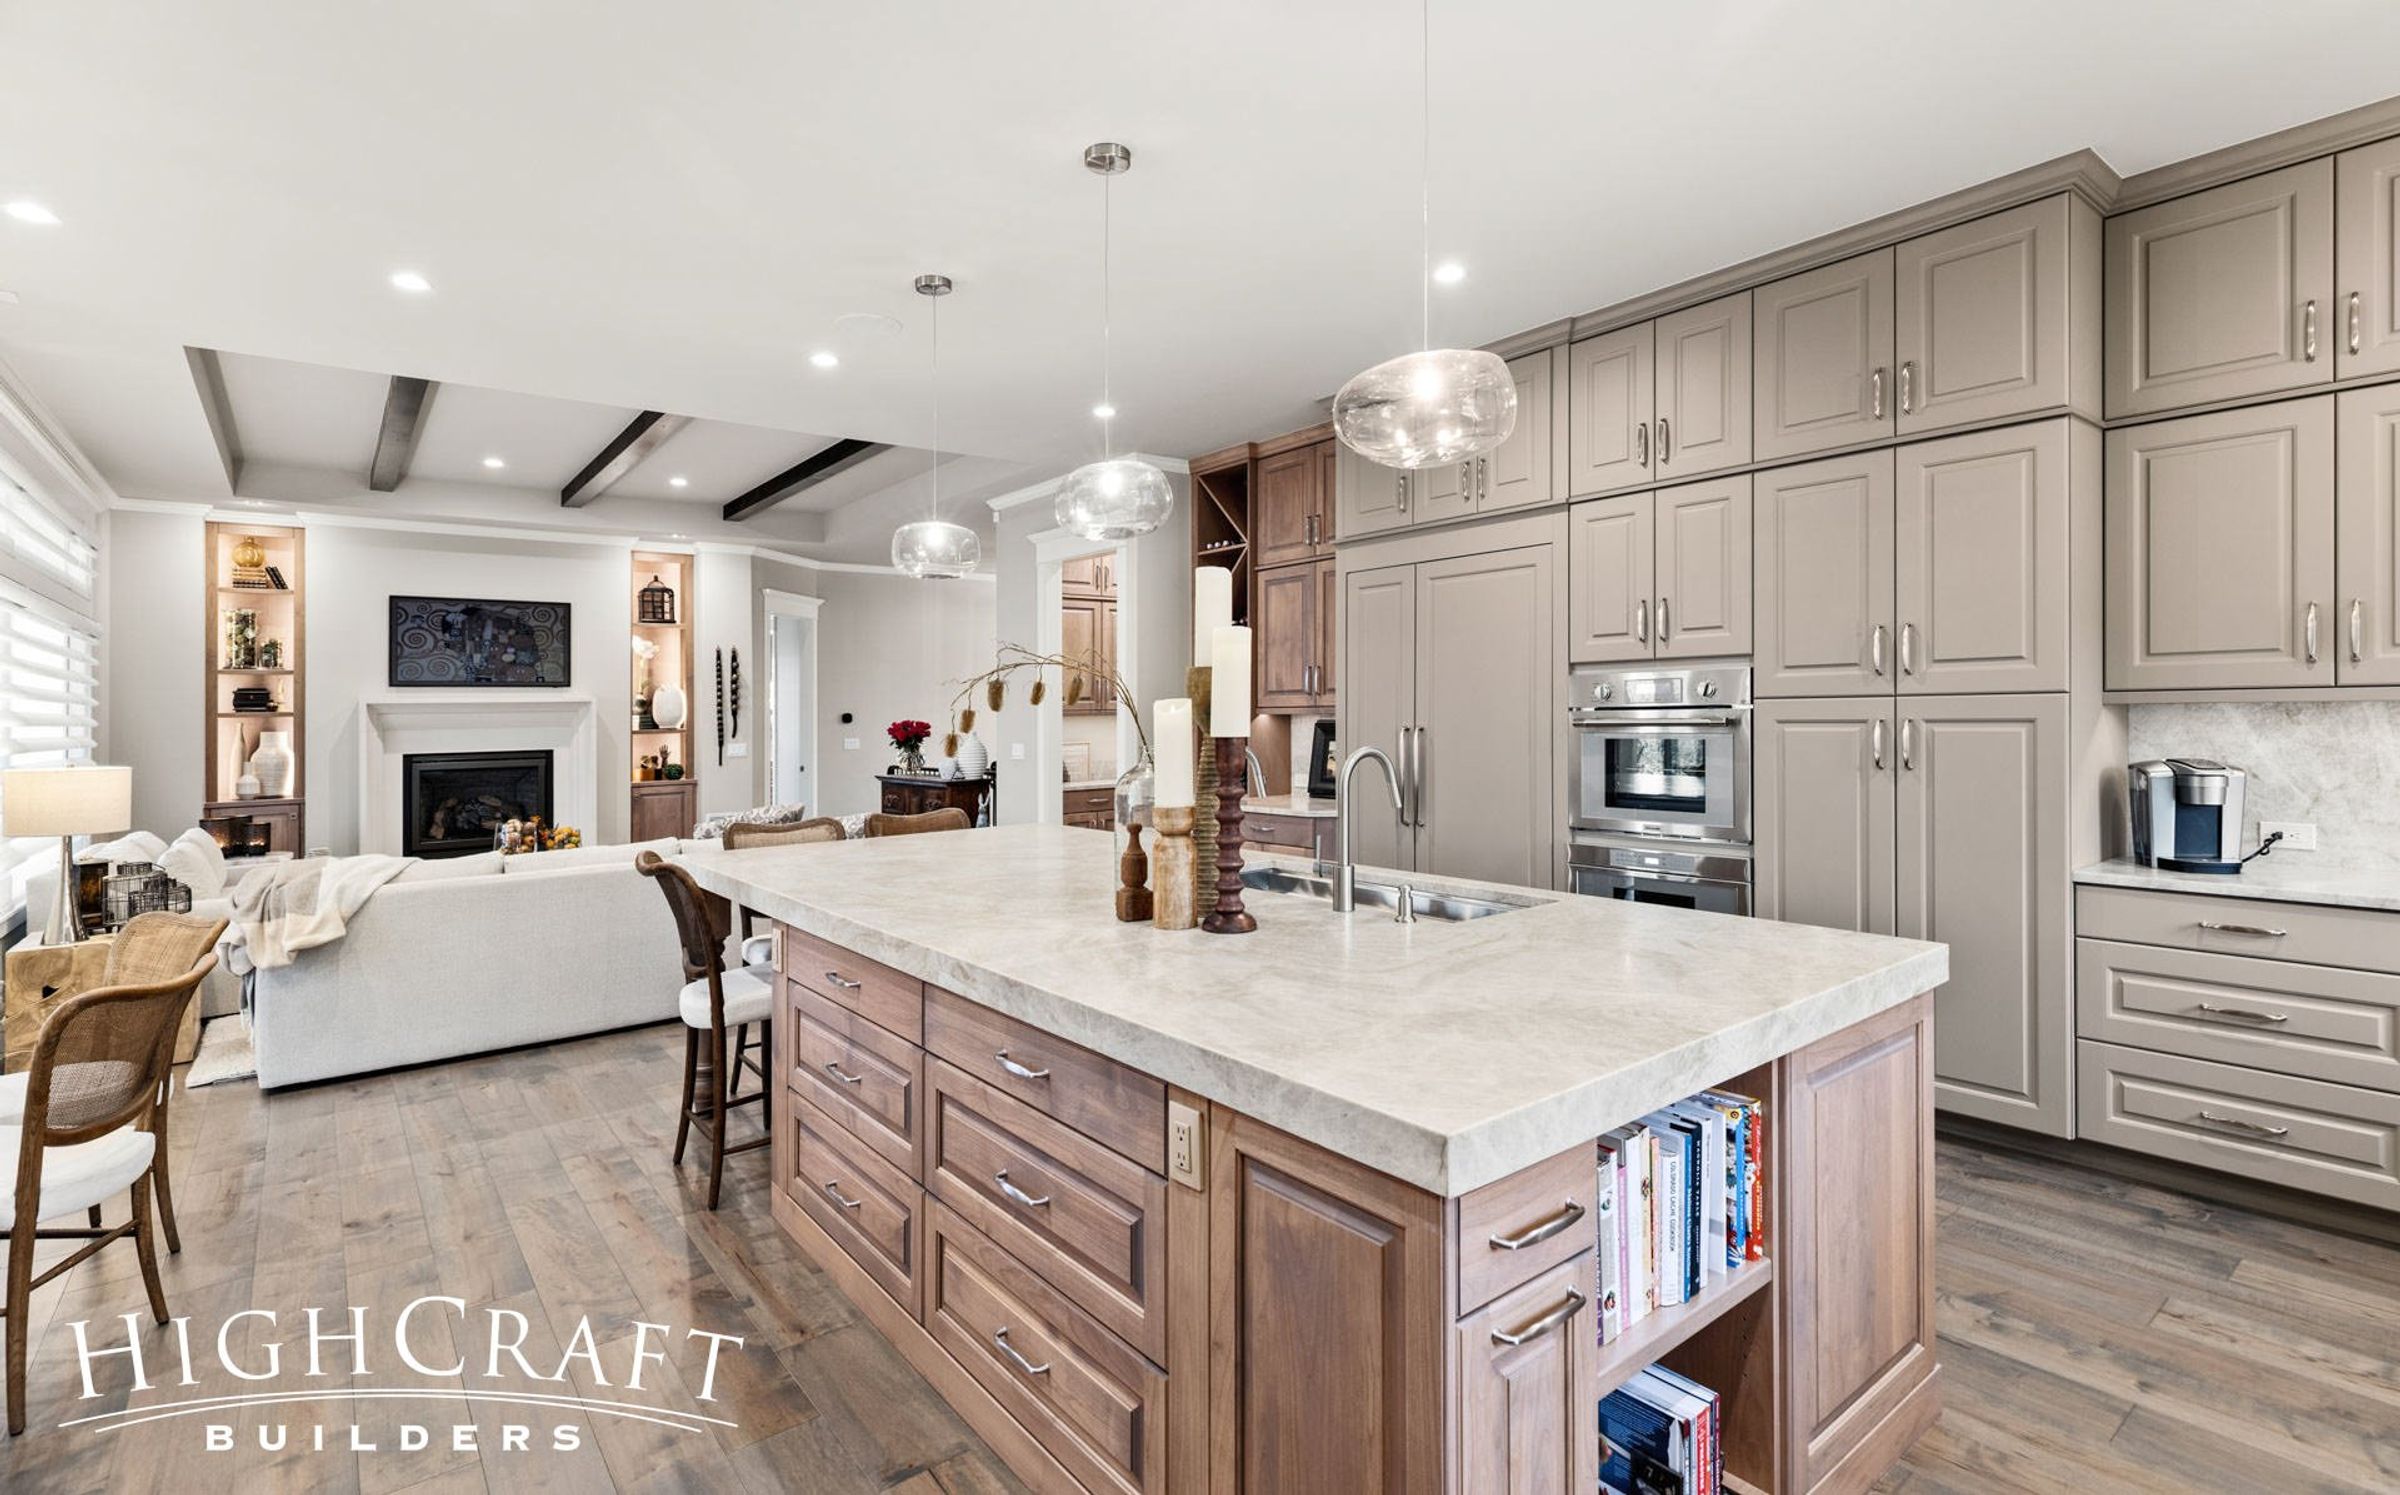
(78, 1177)
(748, 999)
(759, 951)
(12, 1098)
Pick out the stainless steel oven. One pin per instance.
(1714, 880)
(1662, 751)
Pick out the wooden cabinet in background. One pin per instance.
(1090, 809)
(1822, 344)
(1662, 575)
(907, 794)
(664, 807)
(1292, 616)
(1088, 630)
(1290, 509)
(1089, 576)
(2000, 317)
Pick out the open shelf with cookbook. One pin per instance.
(254, 723)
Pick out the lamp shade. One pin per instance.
(69, 801)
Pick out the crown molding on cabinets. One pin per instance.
(2305, 142)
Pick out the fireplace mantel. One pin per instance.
(394, 724)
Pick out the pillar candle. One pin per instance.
(1212, 607)
(1171, 728)
(1229, 683)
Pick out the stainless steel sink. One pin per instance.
(1448, 908)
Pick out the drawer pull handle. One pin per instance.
(1537, 1234)
(836, 1191)
(2262, 931)
(2235, 1123)
(1000, 1338)
(842, 981)
(2244, 1014)
(835, 1070)
(1019, 1070)
(1544, 1324)
(1017, 1194)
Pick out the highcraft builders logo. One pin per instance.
(304, 1374)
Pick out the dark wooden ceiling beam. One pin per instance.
(815, 468)
(644, 434)
(404, 408)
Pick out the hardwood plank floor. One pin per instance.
(2098, 1335)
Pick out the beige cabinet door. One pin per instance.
(1823, 576)
(1980, 545)
(1379, 698)
(1704, 560)
(1610, 401)
(1703, 389)
(2366, 259)
(2367, 536)
(1286, 510)
(1521, 471)
(1368, 497)
(1609, 576)
(1823, 358)
(1443, 492)
(1285, 617)
(2220, 550)
(1823, 812)
(2222, 294)
(1324, 655)
(1488, 673)
(1985, 316)
(1983, 869)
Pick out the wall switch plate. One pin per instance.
(1016, 750)
(1187, 1145)
(737, 750)
(2297, 835)
(849, 744)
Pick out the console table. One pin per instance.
(914, 794)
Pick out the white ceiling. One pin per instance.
(626, 207)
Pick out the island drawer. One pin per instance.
(2302, 1134)
(1290, 832)
(1095, 1403)
(1513, 1230)
(2366, 939)
(870, 1208)
(871, 989)
(2318, 1022)
(1119, 1107)
(861, 1075)
(1089, 1222)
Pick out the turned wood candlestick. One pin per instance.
(1175, 888)
(1229, 917)
(1204, 782)
(1133, 879)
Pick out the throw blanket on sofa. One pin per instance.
(283, 909)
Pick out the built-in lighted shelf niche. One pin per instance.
(662, 619)
(255, 640)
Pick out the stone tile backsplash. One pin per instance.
(2335, 765)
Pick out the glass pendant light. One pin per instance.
(932, 548)
(1115, 498)
(1444, 404)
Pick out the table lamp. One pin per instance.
(65, 802)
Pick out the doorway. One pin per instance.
(1086, 601)
(791, 623)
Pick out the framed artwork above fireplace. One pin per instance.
(468, 641)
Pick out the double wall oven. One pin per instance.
(1660, 798)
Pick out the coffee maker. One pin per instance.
(2187, 814)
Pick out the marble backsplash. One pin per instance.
(2335, 765)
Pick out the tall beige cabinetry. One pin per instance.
(1662, 575)
(1922, 713)
(1662, 400)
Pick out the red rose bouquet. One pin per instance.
(908, 736)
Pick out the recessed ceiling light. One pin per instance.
(677, 537)
(8, 298)
(1449, 273)
(410, 281)
(1105, 412)
(494, 463)
(867, 324)
(27, 211)
(679, 481)
(824, 358)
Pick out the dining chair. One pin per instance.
(92, 1090)
(713, 1000)
(951, 818)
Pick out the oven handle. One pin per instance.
(1652, 874)
(1619, 722)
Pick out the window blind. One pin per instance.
(41, 547)
(49, 658)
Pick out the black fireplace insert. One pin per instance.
(451, 803)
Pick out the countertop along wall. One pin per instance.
(2333, 764)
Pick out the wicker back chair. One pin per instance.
(949, 819)
(797, 833)
(152, 948)
(712, 1001)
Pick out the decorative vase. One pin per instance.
(912, 758)
(668, 706)
(246, 787)
(271, 766)
(1136, 805)
(974, 759)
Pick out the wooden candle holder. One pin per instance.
(1204, 781)
(1229, 917)
(1133, 880)
(1175, 899)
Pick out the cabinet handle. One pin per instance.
(1483, 478)
(1544, 1324)
(2243, 1014)
(2308, 332)
(1665, 621)
(1534, 1235)
(1404, 491)
(2354, 321)
(842, 981)
(1423, 737)
(1908, 648)
(1000, 1338)
(2308, 633)
(834, 1069)
(1407, 740)
(1908, 743)
(836, 1191)
(1908, 386)
(1466, 480)
(1875, 393)
(1878, 736)
(1875, 647)
(1641, 621)
(1016, 1194)
(1019, 1070)
(1666, 442)
(1641, 444)
(2236, 1124)
(2357, 634)
(2261, 930)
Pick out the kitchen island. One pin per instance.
(1313, 1208)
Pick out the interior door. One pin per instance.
(1823, 810)
(1284, 508)
(1703, 392)
(1823, 356)
(1369, 497)
(1379, 697)
(1982, 318)
(1518, 472)
(1488, 673)
(2366, 259)
(1983, 869)
(1609, 576)
(1980, 542)
(1704, 560)
(2220, 550)
(1609, 405)
(1824, 577)
(2368, 544)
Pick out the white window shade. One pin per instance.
(49, 715)
(41, 547)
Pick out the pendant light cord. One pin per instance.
(933, 471)
(1108, 422)
(1425, 169)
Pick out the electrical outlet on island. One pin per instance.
(2297, 835)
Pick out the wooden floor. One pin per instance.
(2098, 1336)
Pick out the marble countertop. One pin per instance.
(1289, 804)
(1447, 1055)
(1107, 783)
(2279, 877)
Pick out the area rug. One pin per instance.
(224, 1054)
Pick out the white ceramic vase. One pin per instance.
(271, 766)
(667, 706)
(974, 759)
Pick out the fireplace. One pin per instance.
(451, 803)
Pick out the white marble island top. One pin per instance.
(1446, 1055)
